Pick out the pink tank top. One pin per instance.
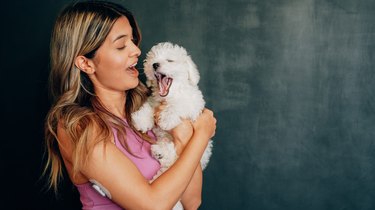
(146, 164)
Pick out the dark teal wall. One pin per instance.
(292, 86)
(291, 83)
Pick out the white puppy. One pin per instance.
(173, 78)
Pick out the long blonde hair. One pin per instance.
(80, 29)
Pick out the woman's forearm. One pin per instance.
(192, 197)
(172, 183)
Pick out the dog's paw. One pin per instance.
(143, 119)
(157, 155)
(165, 152)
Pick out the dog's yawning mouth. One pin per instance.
(164, 83)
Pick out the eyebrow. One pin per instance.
(120, 37)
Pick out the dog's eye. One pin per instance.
(169, 60)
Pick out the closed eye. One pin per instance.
(169, 60)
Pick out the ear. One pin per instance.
(84, 64)
(192, 72)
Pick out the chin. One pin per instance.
(133, 85)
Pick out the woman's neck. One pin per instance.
(113, 101)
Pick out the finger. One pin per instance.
(185, 120)
(160, 107)
(156, 115)
(207, 111)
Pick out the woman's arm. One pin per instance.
(192, 197)
(113, 170)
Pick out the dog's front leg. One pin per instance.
(143, 119)
(163, 150)
(169, 119)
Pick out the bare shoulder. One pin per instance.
(72, 140)
(107, 165)
(65, 142)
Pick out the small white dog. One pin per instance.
(173, 78)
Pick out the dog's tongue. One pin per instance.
(164, 84)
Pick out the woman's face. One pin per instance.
(115, 60)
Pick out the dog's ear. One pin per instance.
(192, 72)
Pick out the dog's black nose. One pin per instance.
(155, 65)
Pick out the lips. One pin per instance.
(132, 70)
(164, 83)
(133, 65)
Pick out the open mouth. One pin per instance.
(131, 69)
(164, 83)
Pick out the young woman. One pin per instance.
(95, 88)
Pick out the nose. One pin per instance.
(135, 51)
(155, 65)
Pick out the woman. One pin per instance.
(95, 86)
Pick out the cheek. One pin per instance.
(110, 70)
(111, 63)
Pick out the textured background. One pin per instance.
(290, 81)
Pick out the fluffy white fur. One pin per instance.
(176, 70)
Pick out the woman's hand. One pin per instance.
(158, 110)
(181, 135)
(205, 125)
